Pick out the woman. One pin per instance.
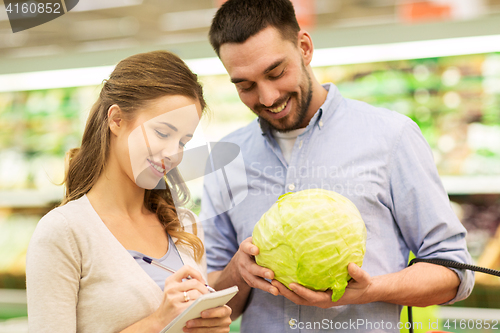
(84, 260)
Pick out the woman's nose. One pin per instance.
(172, 153)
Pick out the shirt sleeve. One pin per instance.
(53, 270)
(220, 237)
(422, 209)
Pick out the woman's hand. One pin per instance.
(216, 320)
(179, 293)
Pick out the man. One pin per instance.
(308, 136)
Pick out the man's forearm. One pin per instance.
(420, 285)
(228, 278)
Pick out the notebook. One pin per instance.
(204, 302)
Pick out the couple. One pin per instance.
(84, 267)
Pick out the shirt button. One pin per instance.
(320, 124)
(300, 144)
(291, 187)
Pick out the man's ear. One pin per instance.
(305, 45)
(115, 119)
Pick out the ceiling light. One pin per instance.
(87, 5)
(187, 20)
(105, 28)
(322, 57)
(54, 79)
(35, 51)
(406, 50)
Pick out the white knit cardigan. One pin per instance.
(81, 279)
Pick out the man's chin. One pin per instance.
(282, 126)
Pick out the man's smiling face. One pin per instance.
(271, 78)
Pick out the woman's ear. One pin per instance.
(305, 45)
(115, 119)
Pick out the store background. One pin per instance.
(437, 62)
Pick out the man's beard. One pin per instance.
(280, 125)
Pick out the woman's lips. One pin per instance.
(157, 169)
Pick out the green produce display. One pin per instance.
(454, 100)
(309, 237)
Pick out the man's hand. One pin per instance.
(355, 292)
(249, 271)
(246, 274)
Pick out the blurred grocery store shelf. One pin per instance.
(13, 311)
(14, 325)
(451, 312)
(454, 185)
(471, 184)
(30, 198)
(12, 296)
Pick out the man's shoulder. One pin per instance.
(376, 119)
(351, 112)
(371, 111)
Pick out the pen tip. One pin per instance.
(146, 259)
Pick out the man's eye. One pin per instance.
(162, 135)
(277, 76)
(247, 88)
(182, 144)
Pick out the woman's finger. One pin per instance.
(215, 317)
(187, 272)
(189, 295)
(175, 288)
(209, 324)
(220, 311)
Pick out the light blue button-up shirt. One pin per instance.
(380, 161)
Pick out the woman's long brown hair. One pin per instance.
(134, 82)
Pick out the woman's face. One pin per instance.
(158, 135)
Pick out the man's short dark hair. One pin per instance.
(238, 20)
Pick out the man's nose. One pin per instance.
(268, 95)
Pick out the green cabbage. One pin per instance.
(309, 237)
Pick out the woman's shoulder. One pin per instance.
(66, 216)
(56, 230)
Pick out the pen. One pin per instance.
(157, 264)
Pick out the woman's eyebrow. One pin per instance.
(174, 128)
(169, 125)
